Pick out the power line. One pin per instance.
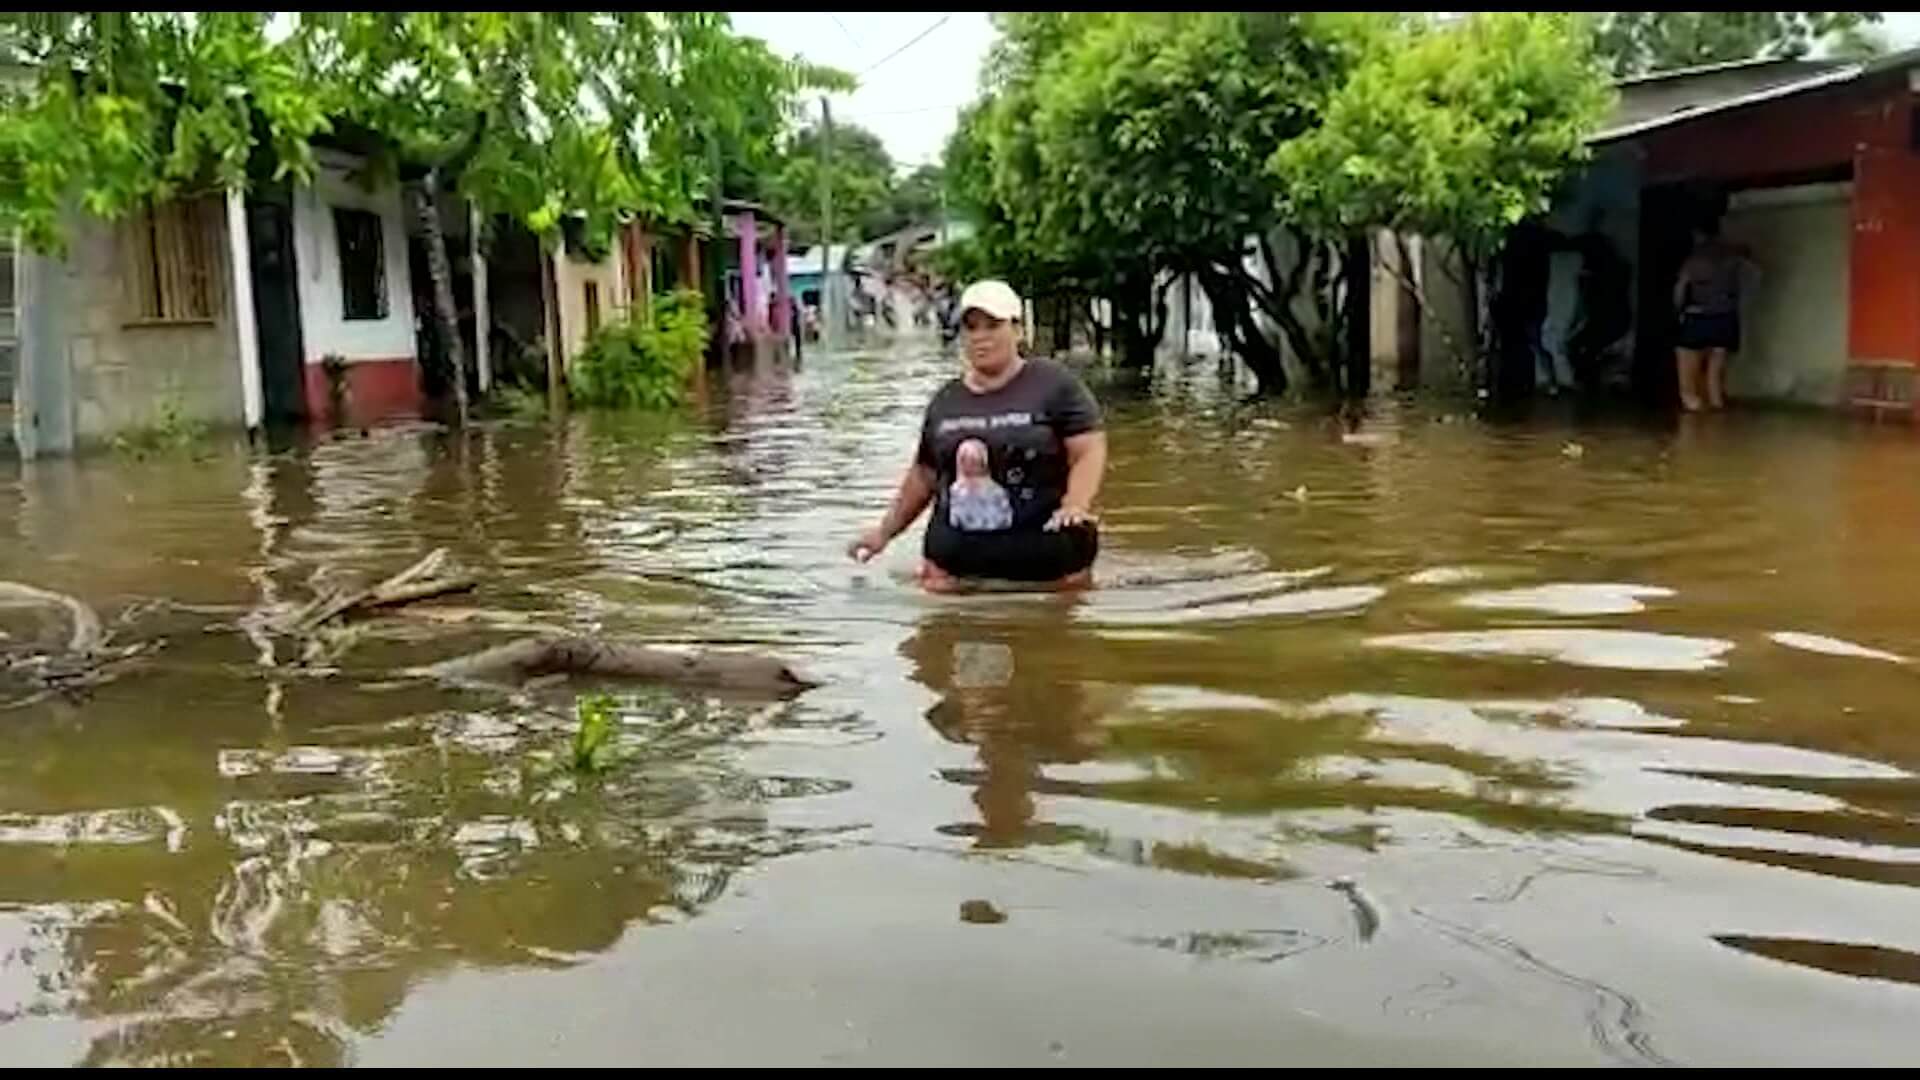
(849, 33)
(911, 42)
(954, 106)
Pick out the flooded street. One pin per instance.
(1443, 742)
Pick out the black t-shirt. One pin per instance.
(990, 526)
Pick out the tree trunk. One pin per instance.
(1307, 277)
(440, 269)
(1233, 320)
(1357, 382)
(1135, 308)
(1062, 324)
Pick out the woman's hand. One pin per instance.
(916, 491)
(868, 544)
(1070, 516)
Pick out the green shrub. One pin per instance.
(520, 402)
(643, 363)
(170, 431)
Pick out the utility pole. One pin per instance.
(826, 224)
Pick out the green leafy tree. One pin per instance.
(993, 169)
(1125, 147)
(861, 178)
(1164, 124)
(1460, 130)
(106, 110)
(1111, 152)
(918, 198)
(1635, 42)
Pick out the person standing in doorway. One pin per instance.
(1706, 298)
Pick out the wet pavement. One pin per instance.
(1565, 741)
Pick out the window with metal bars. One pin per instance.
(363, 263)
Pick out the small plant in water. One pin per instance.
(522, 403)
(170, 431)
(593, 748)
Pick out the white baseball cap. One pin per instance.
(994, 297)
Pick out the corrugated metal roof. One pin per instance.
(1656, 101)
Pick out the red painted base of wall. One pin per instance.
(371, 391)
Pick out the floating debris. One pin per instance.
(1366, 916)
(981, 913)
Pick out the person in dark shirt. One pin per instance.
(1707, 299)
(1043, 443)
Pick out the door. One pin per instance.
(276, 306)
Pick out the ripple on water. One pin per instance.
(1328, 601)
(1828, 646)
(119, 826)
(1445, 575)
(1632, 650)
(1569, 598)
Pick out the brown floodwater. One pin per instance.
(1565, 741)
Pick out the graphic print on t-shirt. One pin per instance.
(975, 502)
(1022, 427)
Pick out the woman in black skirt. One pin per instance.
(1707, 300)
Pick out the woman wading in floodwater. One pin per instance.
(1011, 456)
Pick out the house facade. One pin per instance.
(304, 304)
(137, 324)
(222, 309)
(1811, 165)
(357, 327)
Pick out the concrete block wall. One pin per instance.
(123, 375)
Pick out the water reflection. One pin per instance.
(1860, 961)
(295, 915)
(1001, 693)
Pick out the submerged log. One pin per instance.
(531, 658)
(86, 635)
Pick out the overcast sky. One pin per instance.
(908, 96)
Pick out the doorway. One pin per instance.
(276, 307)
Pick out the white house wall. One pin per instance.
(1794, 311)
(324, 329)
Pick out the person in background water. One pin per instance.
(1706, 298)
(1040, 440)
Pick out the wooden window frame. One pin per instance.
(172, 263)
